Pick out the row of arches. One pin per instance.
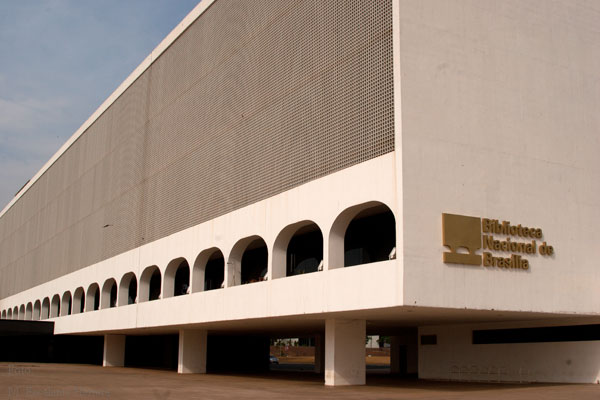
(367, 233)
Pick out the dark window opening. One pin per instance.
(81, 304)
(305, 251)
(574, 333)
(214, 274)
(97, 299)
(154, 292)
(132, 291)
(182, 279)
(45, 309)
(113, 295)
(254, 262)
(54, 307)
(428, 339)
(70, 305)
(370, 237)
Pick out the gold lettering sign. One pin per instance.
(461, 231)
(474, 233)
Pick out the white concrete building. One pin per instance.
(335, 169)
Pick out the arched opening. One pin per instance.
(9, 314)
(78, 301)
(66, 304)
(154, 286)
(109, 294)
(55, 306)
(45, 308)
(209, 270)
(255, 262)
(22, 312)
(150, 284)
(214, 273)
(92, 298)
(362, 234)
(37, 310)
(128, 289)
(248, 261)
(28, 311)
(16, 312)
(182, 280)
(298, 250)
(305, 251)
(177, 278)
(370, 237)
(3, 314)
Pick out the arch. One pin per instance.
(209, 270)
(15, 313)
(78, 305)
(177, 278)
(37, 310)
(45, 308)
(248, 261)
(128, 289)
(55, 306)
(298, 249)
(3, 314)
(9, 314)
(109, 294)
(92, 298)
(150, 281)
(362, 234)
(22, 312)
(66, 304)
(29, 311)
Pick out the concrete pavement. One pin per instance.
(68, 381)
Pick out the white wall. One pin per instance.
(500, 119)
(456, 358)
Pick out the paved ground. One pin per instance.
(60, 381)
(370, 360)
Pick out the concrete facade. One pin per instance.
(494, 118)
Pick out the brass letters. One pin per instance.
(460, 231)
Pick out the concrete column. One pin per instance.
(192, 351)
(345, 352)
(319, 353)
(114, 351)
(233, 273)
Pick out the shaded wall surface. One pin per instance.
(154, 351)
(34, 341)
(248, 354)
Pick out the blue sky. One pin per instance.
(59, 60)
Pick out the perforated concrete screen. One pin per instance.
(256, 97)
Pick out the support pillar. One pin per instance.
(345, 352)
(319, 353)
(192, 351)
(114, 351)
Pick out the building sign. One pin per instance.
(504, 245)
